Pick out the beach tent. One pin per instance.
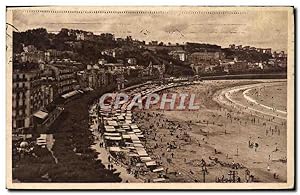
(126, 126)
(141, 152)
(145, 158)
(113, 138)
(115, 149)
(159, 180)
(134, 137)
(151, 163)
(128, 122)
(138, 145)
(70, 94)
(111, 134)
(128, 118)
(136, 142)
(112, 123)
(120, 118)
(158, 170)
(40, 114)
(126, 136)
(134, 126)
(108, 129)
(136, 131)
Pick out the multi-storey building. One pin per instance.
(95, 76)
(180, 54)
(27, 95)
(199, 57)
(65, 77)
(31, 57)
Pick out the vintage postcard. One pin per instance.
(150, 97)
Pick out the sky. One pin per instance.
(259, 28)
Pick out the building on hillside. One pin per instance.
(31, 57)
(232, 46)
(199, 57)
(131, 61)
(85, 36)
(29, 48)
(235, 66)
(239, 47)
(267, 51)
(109, 52)
(246, 48)
(114, 68)
(102, 61)
(179, 54)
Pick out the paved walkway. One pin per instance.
(103, 156)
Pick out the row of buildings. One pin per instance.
(35, 87)
(249, 48)
(38, 87)
(215, 61)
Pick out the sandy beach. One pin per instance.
(226, 139)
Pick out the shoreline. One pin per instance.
(204, 134)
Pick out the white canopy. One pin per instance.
(138, 145)
(113, 138)
(150, 163)
(134, 137)
(115, 149)
(141, 152)
(70, 94)
(145, 159)
(40, 114)
(134, 126)
(159, 179)
(112, 123)
(136, 130)
(158, 170)
(126, 136)
(111, 134)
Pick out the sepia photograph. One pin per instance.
(150, 97)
